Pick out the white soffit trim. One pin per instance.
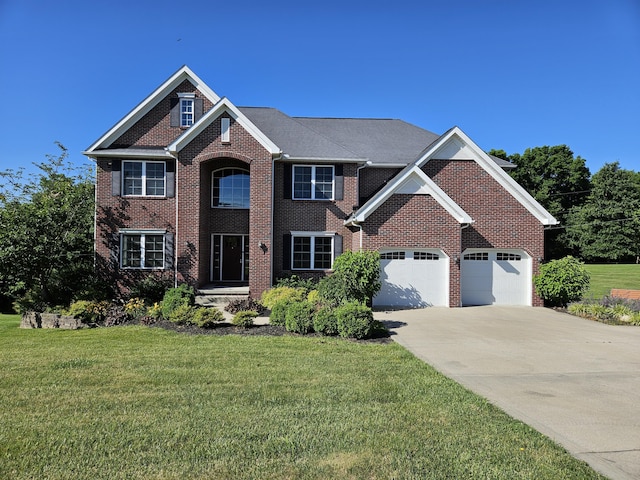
(455, 144)
(413, 181)
(184, 73)
(224, 105)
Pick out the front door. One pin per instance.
(230, 258)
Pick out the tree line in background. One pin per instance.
(46, 221)
(599, 214)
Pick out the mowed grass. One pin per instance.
(606, 277)
(143, 403)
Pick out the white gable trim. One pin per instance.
(184, 73)
(414, 181)
(224, 105)
(455, 144)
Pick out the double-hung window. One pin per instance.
(187, 111)
(143, 178)
(312, 251)
(313, 182)
(142, 250)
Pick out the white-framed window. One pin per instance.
(230, 188)
(400, 255)
(505, 256)
(187, 112)
(143, 178)
(313, 182)
(312, 250)
(142, 250)
(481, 256)
(425, 256)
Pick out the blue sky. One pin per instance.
(512, 74)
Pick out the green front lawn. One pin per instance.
(606, 277)
(144, 403)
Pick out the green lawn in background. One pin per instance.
(606, 277)
(143, 403)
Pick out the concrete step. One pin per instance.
(220, 296)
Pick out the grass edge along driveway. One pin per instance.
(143, 403)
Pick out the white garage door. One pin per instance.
(413, 278)
(495, 277)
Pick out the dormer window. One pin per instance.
(187, 110)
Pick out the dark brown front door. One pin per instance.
(232, 264)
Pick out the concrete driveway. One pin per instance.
(574, 380)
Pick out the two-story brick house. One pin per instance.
(190, 186)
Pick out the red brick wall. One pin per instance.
(373, 179)
(500, 221)
(154, 128)
(416, 221)
(310, 215)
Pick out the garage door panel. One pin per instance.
(496, 277)
(413, 278)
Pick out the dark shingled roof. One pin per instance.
(380, 141)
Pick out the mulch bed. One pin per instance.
(256, 330)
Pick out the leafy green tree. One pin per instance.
(607, 226)
(356, 277)
(46, 232)
(556, 179)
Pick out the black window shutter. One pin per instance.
(116, 166)
(337, 246)
(115, 250)
(287, 180)
(286, 251)
(168, 251)
(174, 116)
(197, 109)
(171, 179)
(339, 181)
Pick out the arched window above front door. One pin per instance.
(230, 188)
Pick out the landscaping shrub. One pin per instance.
(325, 321)
(135, 307)
(176, 297)
(151, 288)
(155, 311)
(182, 314)
(562, 281)
(313, 296)
(334, 290)
(354, 320)
(88, 311)
(235, 306)
(299, 317)
(294, 281)
(207, 317)
(115, 315)
(277, 294)
(361, 271)
(279, 312)
(244, 318)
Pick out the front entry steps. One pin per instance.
(219, 296)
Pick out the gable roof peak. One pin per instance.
(182, 74)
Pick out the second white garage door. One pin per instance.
(413, 278)
(495, 277)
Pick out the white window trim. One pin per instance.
(142, 234)
(313, 182)
(190, 98)
(144, 179)
(313, 236)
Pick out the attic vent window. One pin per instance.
(224, 129)
(187, 112)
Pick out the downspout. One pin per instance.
(357, 224)
(175, 235)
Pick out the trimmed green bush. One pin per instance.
(151, 288)
(88, 311)
(244, 318)
(354, 320)
(278, 315)
(325, 321)
(182, 314)
(176, 297)
(334, 290)
(295, 281)
(562, 281)
(299, 317)
(361, 270)
(277, 294)
(207, 317)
